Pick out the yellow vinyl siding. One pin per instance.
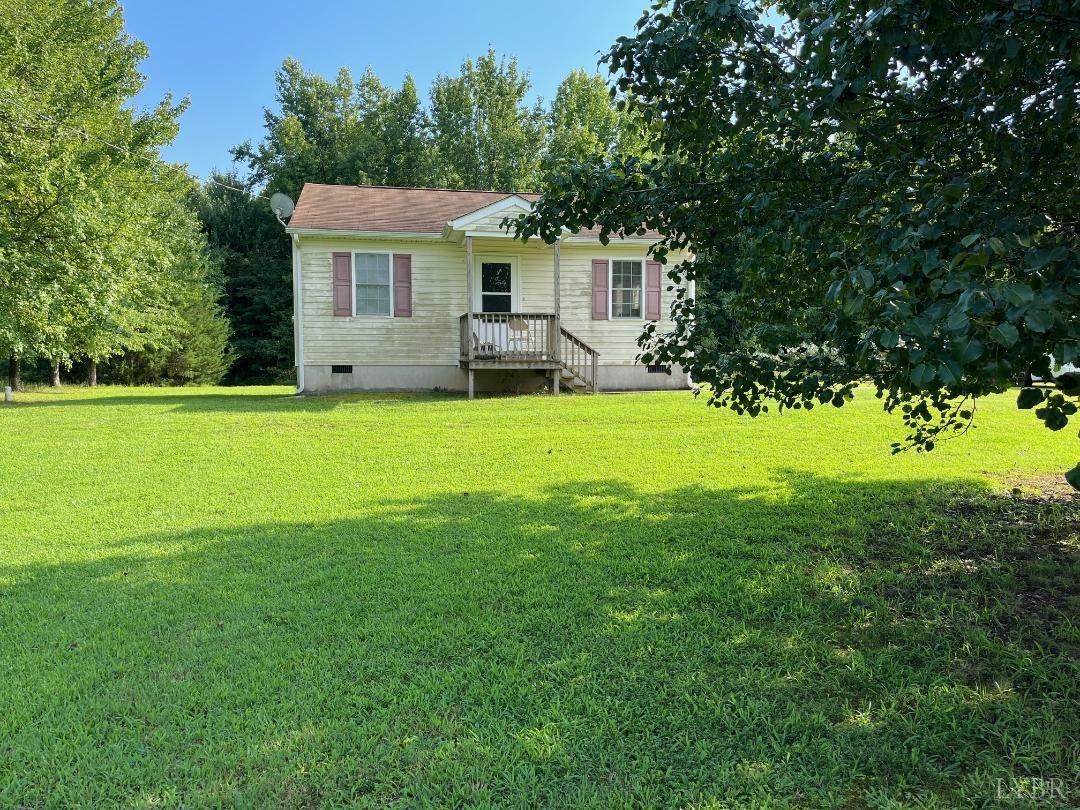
(431, 335)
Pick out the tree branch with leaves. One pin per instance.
(891, 185)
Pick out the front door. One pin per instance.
(495, 284)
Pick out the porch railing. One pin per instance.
(510, 336)
(530, 337)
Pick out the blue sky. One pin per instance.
(222, 55)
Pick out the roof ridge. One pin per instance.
(423, 188)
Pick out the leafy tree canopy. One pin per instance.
(340, 131)
(892, 185)
(483, 133)
(246, 241)
(585, 124)
(96, 235)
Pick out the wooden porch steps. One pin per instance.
(572, 382)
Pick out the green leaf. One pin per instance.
(972, 350)
(948, 372)
(1053, 418)
(1005, 334)
(824, 26)
(1019, 294)
(1029, 398)
(970, 239)
(1069, 383)
(854, 304)
(887, 339)
(957, 322)
(834, 291)
(922, 375)
(922, 327)
(1073, 477)
(1039, 320)
(953, 191)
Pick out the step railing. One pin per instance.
(579, 358)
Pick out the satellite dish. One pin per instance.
(282, 206)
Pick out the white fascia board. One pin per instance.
(364, 234)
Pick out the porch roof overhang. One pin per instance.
(486, 221)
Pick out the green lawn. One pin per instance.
(236, 596)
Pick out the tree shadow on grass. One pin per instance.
(839, 642)
(223, 400)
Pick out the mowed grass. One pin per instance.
(241, 597)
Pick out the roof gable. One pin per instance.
(490, 216)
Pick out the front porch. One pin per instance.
(495, 337)
(526, 340)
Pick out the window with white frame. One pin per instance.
(496, 286)
(626, 286)
(371, 274)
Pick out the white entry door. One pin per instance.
(495, 283)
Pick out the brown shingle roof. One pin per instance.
(387, 208)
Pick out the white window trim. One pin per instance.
(611, 288)
(352, 276)
(478, 280)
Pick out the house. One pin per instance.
(413, 288)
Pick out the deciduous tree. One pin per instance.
(586, 124)
(893, 185)
(251, 249)
(485, 133)
(96, 228)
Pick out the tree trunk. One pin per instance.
(54, 377)
(91, 373)
(15, 372)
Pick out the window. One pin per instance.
(371, 274)
(657, 368)
(341, 369)
(495, 287)
(625, 288)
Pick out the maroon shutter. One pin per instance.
(600, 295)
(342, 263)
(402, 285)
(652, 291)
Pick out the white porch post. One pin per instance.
(469, 312)
(557, 302)
(556, 326)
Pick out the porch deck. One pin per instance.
(527, 340)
